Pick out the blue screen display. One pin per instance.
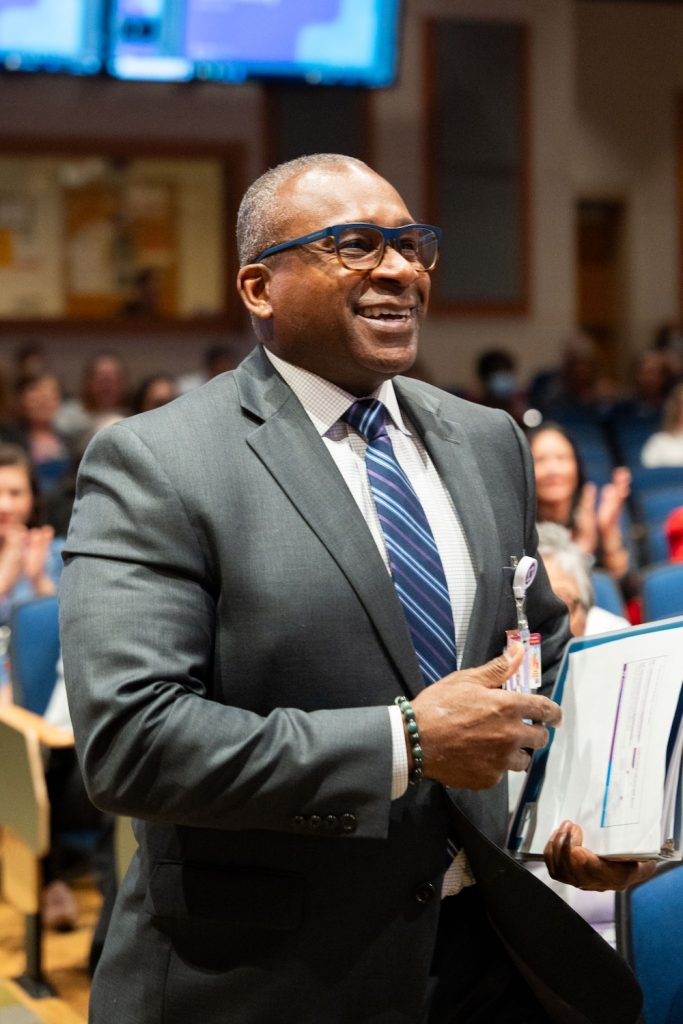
(51, 35)
(337, 42)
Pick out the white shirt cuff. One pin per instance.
(399, 768)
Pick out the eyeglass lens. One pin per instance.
(363, 248)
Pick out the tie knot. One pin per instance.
(367, 417)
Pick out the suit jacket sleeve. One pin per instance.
(138, 607)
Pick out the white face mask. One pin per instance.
(503, 383)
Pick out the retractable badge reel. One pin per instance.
(528, 676)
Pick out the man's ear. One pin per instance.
(253, 285)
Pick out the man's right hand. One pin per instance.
(472, 731)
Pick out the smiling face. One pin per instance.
(354, 328)
(16, 498)
(555, 468)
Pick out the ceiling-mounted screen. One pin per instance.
(51, 35)
(334, 42)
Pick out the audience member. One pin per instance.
(665, 447)
(103, 401)
(30, 556)
(30, 566)
(569, 572)
(38, 401)
(30, 360)
(579, 380)
(498, 384)
(71, 809)
(154, 392)
(651, 381)
(217, 359)
(668, 340)
(591, 514)
(673, 530)
(10, 433)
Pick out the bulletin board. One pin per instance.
(113, 238)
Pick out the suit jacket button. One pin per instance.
(349, 822)
(331, 822)
(425, 892)
(315, 821)
(298, 821)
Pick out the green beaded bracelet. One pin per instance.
(417, 771)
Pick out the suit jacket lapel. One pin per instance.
(454, 458)
(287, 443)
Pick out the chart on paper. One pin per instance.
(624, 784)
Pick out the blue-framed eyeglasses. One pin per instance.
(361, 246)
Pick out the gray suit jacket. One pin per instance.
(231, 640)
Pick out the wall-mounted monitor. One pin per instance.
(333, 42)
(51, 35)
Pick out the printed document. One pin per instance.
(614, 765)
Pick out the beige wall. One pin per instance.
(604, 81)
(629, 80)
(451, 344)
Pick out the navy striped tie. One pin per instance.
(414, 559)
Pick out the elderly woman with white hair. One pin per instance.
(569, 572)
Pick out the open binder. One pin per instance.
(614, 766)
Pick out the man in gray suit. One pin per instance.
(234, 644)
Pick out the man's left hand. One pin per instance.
(568, 861)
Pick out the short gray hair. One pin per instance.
(555, 542)
(261, 217)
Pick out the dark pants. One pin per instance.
(475, 981)
(72, 812)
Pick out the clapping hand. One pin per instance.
(25, 553)
(36, 551)
(12, 557)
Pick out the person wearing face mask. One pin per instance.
(499, 385)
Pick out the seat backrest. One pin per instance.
(34, 650)
(656, 505)
(657, 544)
(650, 936)
(607, 593)
(23, 793)
(24, 814)
(630, 433)
(645, 479)
(662, 591)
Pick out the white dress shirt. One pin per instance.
(325, 403)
